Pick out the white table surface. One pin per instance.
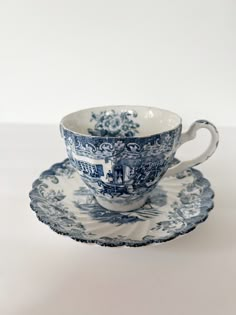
(42, 272)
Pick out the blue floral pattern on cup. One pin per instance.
(124, 169)
(114, 124)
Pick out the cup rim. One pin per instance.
(62, 122)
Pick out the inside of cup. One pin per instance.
(121, 121)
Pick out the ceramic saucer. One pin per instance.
(66, 205)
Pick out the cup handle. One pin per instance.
(190, 134)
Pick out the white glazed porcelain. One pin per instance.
(121, 152)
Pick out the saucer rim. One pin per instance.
(35, 208)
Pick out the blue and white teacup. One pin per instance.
(121, 152)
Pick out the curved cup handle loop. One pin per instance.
(190, 135)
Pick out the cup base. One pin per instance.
(119, 205)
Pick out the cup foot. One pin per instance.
(119, 205)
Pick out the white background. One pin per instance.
(57, 56)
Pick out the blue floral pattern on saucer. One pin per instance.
(175, 207)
